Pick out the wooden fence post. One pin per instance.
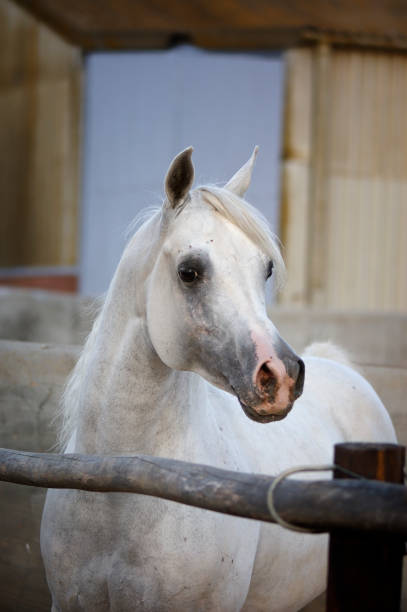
(365, 569)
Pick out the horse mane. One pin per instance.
(227, 204)
(69, 404)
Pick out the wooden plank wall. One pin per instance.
(345, 179)
(40, 84)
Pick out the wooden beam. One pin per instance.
(236, 24)
(318, 196)
(324, 505)
(296, 175)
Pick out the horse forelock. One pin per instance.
(230, 206)
(249, 220)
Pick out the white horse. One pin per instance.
(183, 343)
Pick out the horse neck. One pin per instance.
(129, 400)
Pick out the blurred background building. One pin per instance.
(90, 139)
(96, 99)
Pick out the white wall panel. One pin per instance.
(142, 108)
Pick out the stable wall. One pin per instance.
(40, 89)
(344, 182)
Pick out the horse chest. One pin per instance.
(155, 554)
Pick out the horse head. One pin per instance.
(206, 300)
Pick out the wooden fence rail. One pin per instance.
(361, 505)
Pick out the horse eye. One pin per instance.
(187, 275)
(270, 269)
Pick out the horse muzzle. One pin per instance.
(276, 383)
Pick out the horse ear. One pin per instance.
(239, 183)
(179, 178)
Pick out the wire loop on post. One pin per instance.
(285, 474)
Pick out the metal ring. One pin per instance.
(304, 468)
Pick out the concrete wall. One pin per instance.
(41, 316)
(31, 380)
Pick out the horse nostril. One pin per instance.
(264, 373)
(266, 380)
(265, 369)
